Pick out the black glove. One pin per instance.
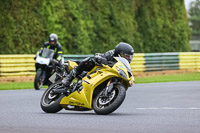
(54, 61)
(100, 60)
(40, 52)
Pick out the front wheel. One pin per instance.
(50, 102)
(104, 105)
(38, 82)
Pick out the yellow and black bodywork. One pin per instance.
(92, 80)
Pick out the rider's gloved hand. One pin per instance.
(99, 59)
(54, 61)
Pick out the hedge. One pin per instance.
(89, 26)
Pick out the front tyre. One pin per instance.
(38, 80)
(50, 102)
(104, 105)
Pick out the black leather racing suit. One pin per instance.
(57, 50)
(57, 53)
(88, 63)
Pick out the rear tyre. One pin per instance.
(103, 105)
(38, 83)
(50, 102)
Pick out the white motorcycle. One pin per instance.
(45, 68)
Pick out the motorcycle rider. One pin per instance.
(121, 50)
(54, 45)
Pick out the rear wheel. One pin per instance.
(104, 105)
(38, 82)
(50, 102)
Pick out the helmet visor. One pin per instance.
(128, 57)
(52, 41)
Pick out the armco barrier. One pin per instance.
(189, 61)
(75, 57)
(23, 65)
(161, 61)
(137, 65)
(17, 65)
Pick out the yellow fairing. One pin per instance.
(84, 98)
(71, 65)
(122, 67)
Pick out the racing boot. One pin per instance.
(68, 79)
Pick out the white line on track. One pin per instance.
(168, 108)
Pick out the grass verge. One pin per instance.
(151, 79)
(17, 85)
(169, 78)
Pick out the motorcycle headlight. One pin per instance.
(122, 73)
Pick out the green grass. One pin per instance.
(16, 85)
(169, 78)
(151, 79)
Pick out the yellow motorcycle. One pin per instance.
(103, 89)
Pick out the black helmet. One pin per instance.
(124, 50)
(53, 38)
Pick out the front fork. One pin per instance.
(109, 87)
(43, 76)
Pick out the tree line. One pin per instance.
(89, 26)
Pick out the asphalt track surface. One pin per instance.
(172, 107)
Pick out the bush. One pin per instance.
(86, 27)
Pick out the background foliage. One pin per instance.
(89, 26)
(194, 13)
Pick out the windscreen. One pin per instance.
(125, 62)
(47, 53)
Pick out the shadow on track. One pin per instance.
(94, 114)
